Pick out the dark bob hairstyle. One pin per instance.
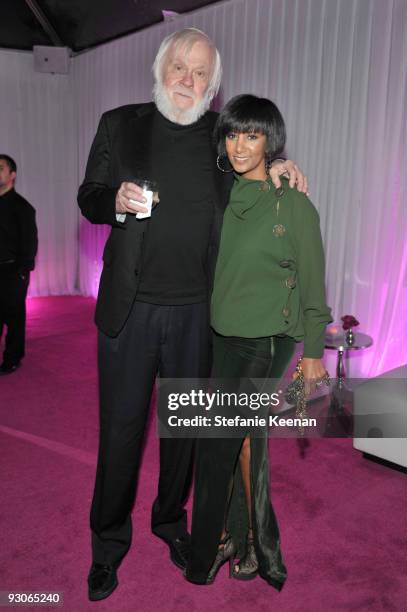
(247, 113)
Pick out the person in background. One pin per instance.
(153, 301)
(269, 293)
(18, 248)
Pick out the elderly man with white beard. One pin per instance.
(153, 302)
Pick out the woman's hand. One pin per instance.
(292, 171)
(314, 371)
(313, 368)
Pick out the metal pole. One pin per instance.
(45, 24)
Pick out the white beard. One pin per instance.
(174, 114)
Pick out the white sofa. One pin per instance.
(384, 399)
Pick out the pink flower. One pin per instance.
(349, 321)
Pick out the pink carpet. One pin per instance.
(343, 519)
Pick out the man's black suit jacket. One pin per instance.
(121, 149)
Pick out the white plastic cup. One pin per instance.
(150, 192)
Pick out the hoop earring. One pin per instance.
(219, 166)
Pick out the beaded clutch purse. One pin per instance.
(296, 393)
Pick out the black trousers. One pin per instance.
(13, 292)
(217, 467)
(174, 342)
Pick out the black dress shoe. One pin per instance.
(8, 368)
(102, 581)
(179, 550)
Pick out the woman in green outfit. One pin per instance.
(269, 293)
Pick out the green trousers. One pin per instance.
(217, 468)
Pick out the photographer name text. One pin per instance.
(239, 421)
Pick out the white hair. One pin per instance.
(188, 37)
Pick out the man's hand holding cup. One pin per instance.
(130, 198)
(137, 196)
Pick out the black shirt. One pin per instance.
(18, 231)
(175, 247)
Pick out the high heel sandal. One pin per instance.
(226, 552)
(248, 566)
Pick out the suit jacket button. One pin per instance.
(284, 263)
(286, 311)
(290, 282)
(279, 230)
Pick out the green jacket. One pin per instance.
(270, 273)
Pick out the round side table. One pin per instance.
(360, 341)
(340, 394)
